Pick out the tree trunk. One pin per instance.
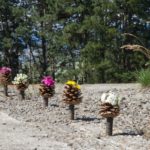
(44, 65)
(109, 126)
(42, 9)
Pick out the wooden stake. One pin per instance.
(22, 94)
(71, 107)
(45, 101)
(5, 89)
(109, 126)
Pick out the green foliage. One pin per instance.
(68, 74)
(88, 32)
(124, 77)
(7, 43)
(143, 77)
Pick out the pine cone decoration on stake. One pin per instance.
(21, 88)
(5, 74)
(4, 78)
(21, 82)
(72, 96)
(47, 89)
(109, 109)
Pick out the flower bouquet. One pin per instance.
(21, 82)
(72, 95)
(109, 109)
(5, 74)
(47, 89)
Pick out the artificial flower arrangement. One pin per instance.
(5, 74)
(5, 70)
(21, 82)
(109, 109)
(72, 95)
(47, 88)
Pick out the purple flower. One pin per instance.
(5, 70)
(48, 81)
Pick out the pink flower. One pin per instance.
(5, 70)
(48, 81)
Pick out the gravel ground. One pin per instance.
(51, 128)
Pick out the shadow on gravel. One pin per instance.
(54, 105)
(130, 134)
(88, 119)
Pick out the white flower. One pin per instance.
(20, 78)
(104, 97)
(111, 98)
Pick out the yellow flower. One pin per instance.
(78, 87)
(70, 82)
(73, 83)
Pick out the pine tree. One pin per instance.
(80, 38)
(11, 17)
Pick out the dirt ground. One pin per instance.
(26, 125)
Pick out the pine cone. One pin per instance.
(108, 110)
(71, 95)
(4, 78)
(46, 91)
(21, 86)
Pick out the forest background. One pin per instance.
(74, 39)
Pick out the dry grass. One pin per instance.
(139, 48)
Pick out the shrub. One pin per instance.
(143, 77)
